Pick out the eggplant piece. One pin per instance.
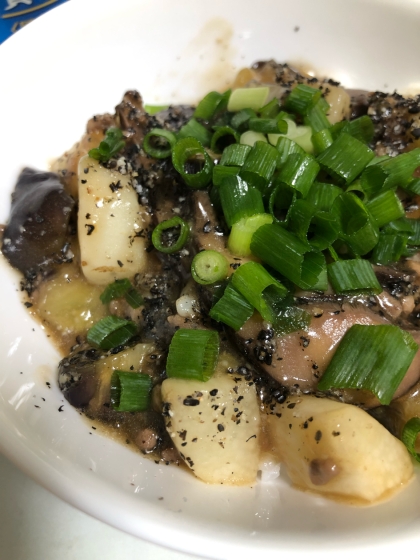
(77, 377)
(39, 219)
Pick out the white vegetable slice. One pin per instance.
(215, 426)
(110, 219)
(338, 450)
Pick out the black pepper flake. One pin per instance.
(90, 228)
(183, 434)
(305, 425)
(290, 426)
(207, 227)
(305, 341)
(234, 265)
(291, 405)
(223, 412)
(83, 181)
(184, 444)
(28, 304)
(318, 436)
(250, 437)
(86, 170)
(314, 366)
(235, 389)
(416, 132)
(213, 392)
(120, 264)
(61, 408)
(115, 186)
(189, 401)
(194, 440)
(88, 216)
(220, 427)
(335, 434)
(36, 406)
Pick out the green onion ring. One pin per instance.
(168, 224)
(159, 133)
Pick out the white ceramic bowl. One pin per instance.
(78, 60)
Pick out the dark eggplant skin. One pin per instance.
(39, 220)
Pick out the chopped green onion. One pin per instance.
(130, 392)
(222, 171)
(223, 137)
(193, 354)
(259, 288)
(196, 130)
(235, 154)
(110, 332)
(391, 172)
(322, 195)
(184, 154)
(173, 242)
(302, 99)
(302, 135)
(133, 298)
(209, 267)
(413, 186)
(153, 109)
(299, 172)
(285, 146)
(385, 207)
(239, 242)
(240, 120)
(248, 98)
(250, 138)
(355, 276)
(232, 309)
(115, 290)
(259, 165)
(390, 248)
(239, 200)
(345, 159)
(122, 288)
(322, 140)
(320, 229)
(361, 128)
(316, 118)
(159, 142)
(358, 229)
(280, 199)
(110, 145)
(409, 436)
(271, 110)
(290, 256)
(272, 126)
(371, 357)
(211, 104)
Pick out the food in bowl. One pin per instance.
(237, 283)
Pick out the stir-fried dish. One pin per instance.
(236, 284)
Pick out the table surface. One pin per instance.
(36, 525)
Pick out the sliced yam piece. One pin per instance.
(110, 224)
(68, 303)
(338, 450)
(215, 426)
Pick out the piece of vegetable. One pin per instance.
(209, 267)
(166, 240)
(130, 392)
(193, 354)
(110, 332)
(110, 146)
(371, 357)
(337, 450)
